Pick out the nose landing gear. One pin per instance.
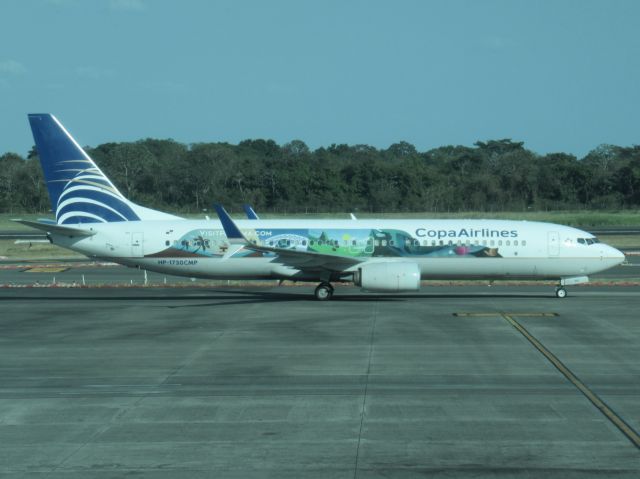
(568, 281)
(561, 292)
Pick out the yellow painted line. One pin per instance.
(609, 413)
(44, 269)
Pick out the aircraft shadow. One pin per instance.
(226, 297)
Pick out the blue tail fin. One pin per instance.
(79, 191)
(248, 210)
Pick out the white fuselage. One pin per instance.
(441, 248)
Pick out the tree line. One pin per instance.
(496, 175)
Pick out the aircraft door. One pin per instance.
(137, 240)
(368, 249)
(553, 243)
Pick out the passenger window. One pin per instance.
(167, 243)
(353, 243)
(433, 242)
(304, 242)
(508, 243)
(499, 242)
(384, 242)
(441, 243)
(450, 243)
(484, 242)
(493, 243)
(524, 242)
(391, 243)
(515, 243)
(377, 243)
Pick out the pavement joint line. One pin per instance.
(609, 413)
(527, 315)
(366, 386)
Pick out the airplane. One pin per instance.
(389, 256)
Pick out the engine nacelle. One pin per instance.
(391, 277)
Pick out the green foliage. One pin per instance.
(492, 176)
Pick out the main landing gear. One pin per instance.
(561, 292)
(324, 291)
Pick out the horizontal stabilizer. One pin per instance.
(56, 229)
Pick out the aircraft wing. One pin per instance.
(56, 228)
(303, 260)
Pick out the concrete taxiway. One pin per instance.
(266, 382)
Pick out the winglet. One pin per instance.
(248, 210)
(234, 235)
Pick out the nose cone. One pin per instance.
(619, 255)
(616, 256)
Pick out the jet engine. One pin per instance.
(388, 277)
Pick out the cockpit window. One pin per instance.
(588, 241)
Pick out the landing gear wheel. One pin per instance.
(561, 292)
(324, 291)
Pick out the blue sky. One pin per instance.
(559, 75)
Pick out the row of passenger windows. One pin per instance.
(186, 244)
(378, 242)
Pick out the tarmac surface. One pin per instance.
(267, 382)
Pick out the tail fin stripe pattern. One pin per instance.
(65, 207)
(80, 192)
(89, 191)
(97, 202)
(83, 217)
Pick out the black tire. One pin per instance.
(561, 293)
(324, 292)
